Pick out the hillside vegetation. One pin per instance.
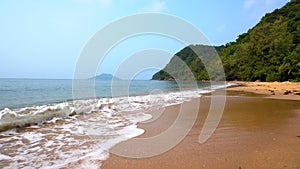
(270, 51)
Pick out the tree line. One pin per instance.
(270, 51)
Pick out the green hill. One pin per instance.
(270, 51)
(189, 55)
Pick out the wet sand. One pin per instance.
(254, 132)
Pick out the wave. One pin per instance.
(11, 118)
(80, 133)
(77, 134)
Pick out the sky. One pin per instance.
(44, 38)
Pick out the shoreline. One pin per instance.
(274, 90)
(255, 132)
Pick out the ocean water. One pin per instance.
(43, 126)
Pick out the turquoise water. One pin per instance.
(46, 128)
(17, 93)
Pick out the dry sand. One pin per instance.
(255, 132)
(276, 90)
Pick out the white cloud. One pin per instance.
(255, 9)
(84, 2)
(262, 4)
(249, 4)
(106, 3)
(269, 3)
(156, 6)
(102, 3)
(220, 28)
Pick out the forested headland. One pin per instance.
(270, 51)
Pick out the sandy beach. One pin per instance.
(255, 132)
(276, 90)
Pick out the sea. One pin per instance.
(43, 124)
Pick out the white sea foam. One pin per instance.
(51, 146)
(36, 114)
(81, 140)
(4, 157)
(33, 137)
(225, 85)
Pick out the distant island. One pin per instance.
(105, 76)
(270, 51)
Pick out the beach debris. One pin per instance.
(297, 93)
(73, 113)
(287, 92)
(272, 91)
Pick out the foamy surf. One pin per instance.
(77, 134)
(10, 118)
(64, 138)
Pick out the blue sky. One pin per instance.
(43, 39)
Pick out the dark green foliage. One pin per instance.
(270, 51)
(188, 64)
